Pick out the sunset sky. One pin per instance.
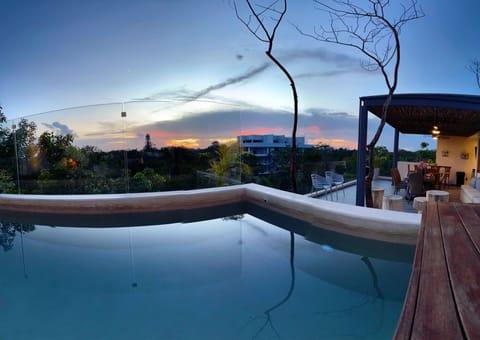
(206, 76)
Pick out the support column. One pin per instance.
(395, 149)
(361, 154)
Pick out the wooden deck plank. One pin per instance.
(434, 315)
(470, 215)
(463, 264)
(443, 298)
(404, 328)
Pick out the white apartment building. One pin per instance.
(264, 146)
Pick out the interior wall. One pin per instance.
(459, 153)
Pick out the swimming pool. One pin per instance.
(236, 277)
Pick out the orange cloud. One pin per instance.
(335, 143)
(116, 142)
(312, 130)
(225, 140)
(161, 134)
(191, 143)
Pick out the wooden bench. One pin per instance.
(443, 297)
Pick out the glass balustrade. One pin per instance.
(144, 146)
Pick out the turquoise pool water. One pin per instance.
(228, 278)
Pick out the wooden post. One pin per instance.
(393, 202)
(377, 194)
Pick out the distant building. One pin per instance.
(264, 146)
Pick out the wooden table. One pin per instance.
(443, 297)
(435, 175)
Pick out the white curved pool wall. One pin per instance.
(377, 224)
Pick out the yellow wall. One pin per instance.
(455, 146)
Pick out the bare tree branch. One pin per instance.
(474, 67)
(371, 31)
(263, 21)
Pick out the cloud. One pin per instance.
(175, 93)
(322, 55)
(191, 143)
(189, 96)
(334, 142)
(206, 127)
(342, 63)
(330, 73)
(324, 63)
(60, 128)
(230, 81)
(199, 129)
(261, 131)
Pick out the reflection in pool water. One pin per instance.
(228, 278)
(8, 231)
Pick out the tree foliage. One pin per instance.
(54, 147)
(229, 164)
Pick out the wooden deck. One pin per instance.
(443, 298)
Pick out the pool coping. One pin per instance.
(179, 206)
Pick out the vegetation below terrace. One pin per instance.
(52, 164)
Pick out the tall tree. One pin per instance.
(372, 27)
(263, 21)
(7, 151)
(54, 147)
(474, 67)
(25, 136)
(4, 131)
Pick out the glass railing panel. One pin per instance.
(145, 146)
(64, 151)
(126, 147)
(184, 144)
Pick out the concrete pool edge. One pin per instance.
(376, 224)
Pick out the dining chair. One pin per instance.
(415, 187)
(397, 181)
(338, 180)
(321, 183)
(445, 180)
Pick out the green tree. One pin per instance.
(7, 185)
(147, 180)
(253, 164)
(26, 149)
(6, 146)
(229, 164)
(383, 160)
(424, 154)
(53, 148)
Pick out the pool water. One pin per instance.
(227, 278)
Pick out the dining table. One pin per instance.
(435, 175)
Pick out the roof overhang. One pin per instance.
(455, 115)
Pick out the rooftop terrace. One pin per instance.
(347, 194)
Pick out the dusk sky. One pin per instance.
(208, 76)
